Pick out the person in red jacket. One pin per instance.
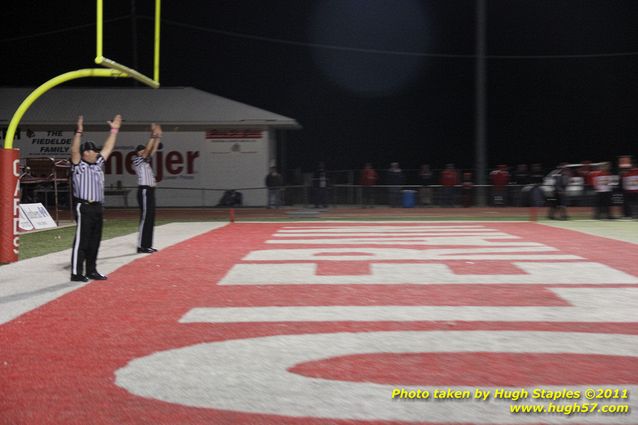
(602, 185)
(467, 189)
(449, 179)
(368, 178)
(500, 178)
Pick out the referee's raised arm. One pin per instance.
(153, 141)
(110, 141)
(76, 155)
(156, 135)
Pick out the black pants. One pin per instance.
(146, 201)
(632, 200)
(558, 204)
(603, 204)
(626, 204)
(321, 197)
(88, 234)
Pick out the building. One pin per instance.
(210, 143)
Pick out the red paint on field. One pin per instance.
(330, 268)
(484, 267)
(57, 363)
(475, 369)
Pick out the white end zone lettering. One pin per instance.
(609, 305)
(406, 254)
(251, 375)
(581, 272)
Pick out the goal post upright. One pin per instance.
(156, 40)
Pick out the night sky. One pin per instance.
(372, 80)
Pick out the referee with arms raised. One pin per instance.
(146, 189)
(87, 169)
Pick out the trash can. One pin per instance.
(409, 198)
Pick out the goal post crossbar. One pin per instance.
(100, 59)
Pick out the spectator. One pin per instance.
(274, 183)
(624, 165)
(320, 185)
(559, 198)
(449, 179)
(536, 195)
(427, 180)
(500, 178)
(630, 190)
(602, 185)
(368, 178)
(395, 179)
(588, 185)
(468, 189)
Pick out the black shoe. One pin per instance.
(153, 249)
(96, 276)
(79, 278)
(145, 250)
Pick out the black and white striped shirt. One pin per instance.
(144, 171)
(88, 180)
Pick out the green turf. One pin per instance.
(59, 239)
(45, 242)
(624, 230)
(54, 240)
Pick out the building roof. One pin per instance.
(181, 107)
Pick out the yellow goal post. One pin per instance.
(9, 157)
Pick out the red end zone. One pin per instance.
(59, 362)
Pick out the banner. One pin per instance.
(38, 216)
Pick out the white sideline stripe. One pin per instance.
(617, 305)
(427, 274)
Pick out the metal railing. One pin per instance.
(350, 195)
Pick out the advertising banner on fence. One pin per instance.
(192, 168)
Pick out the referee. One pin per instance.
(146, 189)
(87, 168)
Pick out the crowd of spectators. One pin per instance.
(581, 184)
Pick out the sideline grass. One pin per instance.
(623, 230)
